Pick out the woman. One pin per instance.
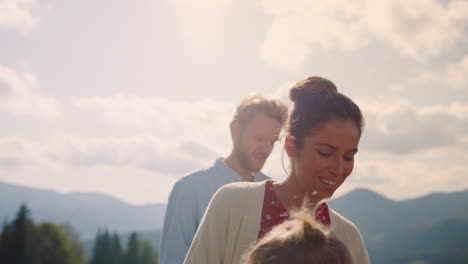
(324, 129)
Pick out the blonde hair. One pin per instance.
(299, 240)
(256, 104)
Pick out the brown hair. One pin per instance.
(317, 100)
(256, 104)
(299, 241)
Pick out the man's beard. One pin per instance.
(245, 162)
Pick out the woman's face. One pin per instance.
(327, 157)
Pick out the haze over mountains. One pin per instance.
(428, 228)
(87, 212)
(377, 216)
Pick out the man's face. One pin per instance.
(255, 141)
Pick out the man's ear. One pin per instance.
(290, 146)
(235, 130)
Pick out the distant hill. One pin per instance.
(416, 229)
(87, 212)
(446, 242)
(377, 216)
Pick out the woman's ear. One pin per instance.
(290, 146)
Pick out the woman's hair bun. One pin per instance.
(313, 85)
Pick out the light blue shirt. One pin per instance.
(187, 204)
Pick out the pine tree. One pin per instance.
(16, 239)
(102, 251)
(95, 259)
(5, 238)
(117, 251)
(108, 250)
(133, 250)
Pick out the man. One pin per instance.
(254, 130)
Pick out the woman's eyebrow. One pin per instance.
(327, 145)
(334, 148)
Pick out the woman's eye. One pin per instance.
(349, 158)
(324, 154)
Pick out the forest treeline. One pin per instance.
(24, 242)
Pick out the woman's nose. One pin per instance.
(337, 167)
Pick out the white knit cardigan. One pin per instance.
(232, 221)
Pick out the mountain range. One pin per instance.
(377, 216)
(429, 229)
(86, 212)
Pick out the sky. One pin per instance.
(126, 97)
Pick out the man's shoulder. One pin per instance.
(193, 185)
(198, 176)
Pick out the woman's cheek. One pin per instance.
(318, 164)
(349, 169)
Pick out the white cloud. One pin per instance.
(202, 20)
(168, 157)
(204, 10)
(400, 126)
(38, 164)
(412, 175)
(453, 75)
(206, 120)
(418, 29)
(20, 94)
(17, 15)
(137, 168)
(282, 93)
(13, 153)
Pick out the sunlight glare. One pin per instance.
(203, 14)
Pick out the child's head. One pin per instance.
(299, 241)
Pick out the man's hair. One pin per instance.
(299, 240)
(257, 104)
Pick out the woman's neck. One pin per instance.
(292, 195)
